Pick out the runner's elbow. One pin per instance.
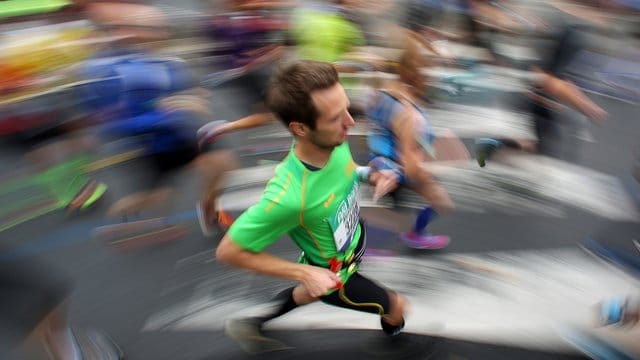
(222, 255)
(226, 252)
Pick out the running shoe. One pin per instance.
(424, 241)
(485, 147)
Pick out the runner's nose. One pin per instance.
(349, 120)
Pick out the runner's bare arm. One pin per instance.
(315, 279)
(416, 170)
(410, 155)
(570, 94)
(248, 122)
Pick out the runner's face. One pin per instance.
(333, 120)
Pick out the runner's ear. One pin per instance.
(297, 128)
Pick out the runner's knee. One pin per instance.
(436, 196)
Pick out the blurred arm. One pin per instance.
(248, 122)
(264, 263)
(569, 94)
(410, 155)
(316, 280)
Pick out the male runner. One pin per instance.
(313, 199)
(552, 93)
(155, 102)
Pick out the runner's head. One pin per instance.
(308, 98)
(135, 23)
(411, 64)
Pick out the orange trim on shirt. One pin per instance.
(280, 194)
(329, 200)
(351, 167)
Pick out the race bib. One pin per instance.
(345, 220)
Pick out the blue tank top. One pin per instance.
(131, 84)
(134, 82)
(381, 113)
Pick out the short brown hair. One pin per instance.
(289, 94)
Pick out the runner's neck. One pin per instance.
(311, 154)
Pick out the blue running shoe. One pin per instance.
(619, 311)
(612, 311)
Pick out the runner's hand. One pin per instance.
(594, 112)
(385, 181)
(319, 280)
(210, 132)
(185, 103)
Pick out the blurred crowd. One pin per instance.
(86, 85)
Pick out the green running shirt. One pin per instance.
(323, 35)
(9, 8)
(317, 209)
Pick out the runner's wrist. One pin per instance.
(302, 273)
(364, 173)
